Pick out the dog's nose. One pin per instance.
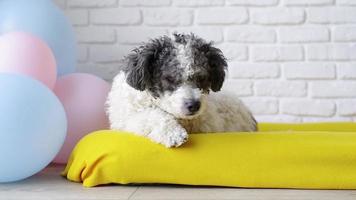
(193, 106)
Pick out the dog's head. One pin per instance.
(179, 71)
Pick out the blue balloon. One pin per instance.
(45, 20)
(33, 127)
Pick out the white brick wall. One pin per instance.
(289, 60)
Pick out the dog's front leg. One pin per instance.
(159, 126)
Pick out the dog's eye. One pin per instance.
(169, 79)
(202, 82)
(200, 78)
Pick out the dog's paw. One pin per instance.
(176, 137)
(170, 137)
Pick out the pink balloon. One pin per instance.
(83, 97)
(23, 53)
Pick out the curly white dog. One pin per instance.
(163, 92)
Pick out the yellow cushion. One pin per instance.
(330, 127)
(268, 159)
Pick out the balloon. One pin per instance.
(83, 97)
(26, 54)
(45, 20)
(32, 126)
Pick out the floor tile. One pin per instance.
(50, 185)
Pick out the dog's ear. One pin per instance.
(218, 65)
(139, 65)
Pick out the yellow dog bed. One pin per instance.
(318, 156)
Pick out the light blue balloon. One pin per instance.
(45, 20)
(33, 127)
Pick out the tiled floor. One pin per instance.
(49, 185)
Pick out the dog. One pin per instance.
(167, 89)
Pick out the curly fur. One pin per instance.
(163, 92)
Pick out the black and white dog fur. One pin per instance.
(163, 92)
